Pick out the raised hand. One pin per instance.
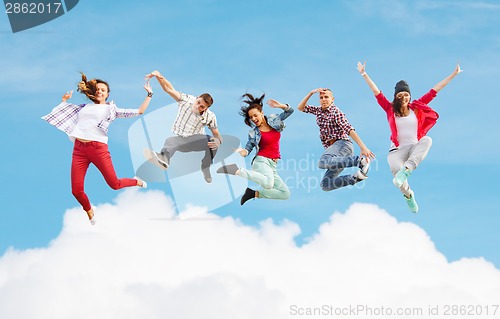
(361, 67)
(147, 87)
(275, 104)
(318, 90)
(150, 75)
(67, 95)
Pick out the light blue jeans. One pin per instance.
(265, 174)
(335, 158)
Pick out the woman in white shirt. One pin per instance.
(87, 126)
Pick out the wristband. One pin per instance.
(364, 73)
(150, 94)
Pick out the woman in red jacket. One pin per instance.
(409, 122)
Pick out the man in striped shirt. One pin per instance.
(334, 132)
(189, 127)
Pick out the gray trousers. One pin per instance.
(193, 143)
(409, 156)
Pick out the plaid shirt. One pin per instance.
(65, 116)
(332, 122)
(189, 123)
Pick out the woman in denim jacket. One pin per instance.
(264, 137)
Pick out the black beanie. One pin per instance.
(401, 86)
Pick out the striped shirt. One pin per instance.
(188, 122)
(65, 116)
(332, 123)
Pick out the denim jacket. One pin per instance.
(276, 121)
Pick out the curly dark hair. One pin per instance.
(252, 103)
(89, 88)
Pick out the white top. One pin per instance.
(407, 129)
(88, 120)
(188, 122)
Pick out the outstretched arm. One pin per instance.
(145, 103)
(287, 110)
(447, 80)
(165, 84)
(364, 150)
(368, 80)
(303, 103)
(277, 105)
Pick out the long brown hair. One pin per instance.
(252, 103)
(397, 104)
(89, 88)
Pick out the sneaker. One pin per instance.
(359, 176)
(401, 176)
(364, 165)
(206, 174)
(155, 158)
(91, 218)
(249, 194)
(144, 184)
(412, 203)
(228, 169)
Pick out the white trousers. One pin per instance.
(409, 156)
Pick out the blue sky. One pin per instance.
(285, 49)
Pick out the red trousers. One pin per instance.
(96, 153)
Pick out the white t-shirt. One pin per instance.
(407, 129)
(88, 120)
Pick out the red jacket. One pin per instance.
(426, 117)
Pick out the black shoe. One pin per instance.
(228, 169)
(206, 174)
(249, 194)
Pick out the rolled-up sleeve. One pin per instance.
(311, 109)
(122, 113)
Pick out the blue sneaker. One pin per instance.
(401, 176)
(412, 203)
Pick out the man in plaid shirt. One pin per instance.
(334, 132)
(189, 127)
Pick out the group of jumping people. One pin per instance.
(409, 121)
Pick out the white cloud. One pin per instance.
(142, 261)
